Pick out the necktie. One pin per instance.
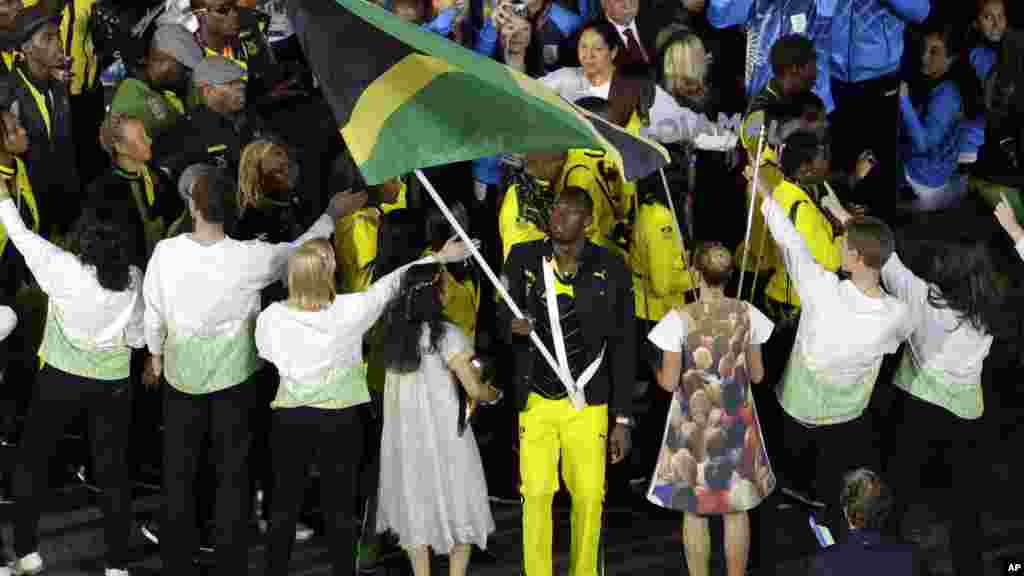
(635, 50)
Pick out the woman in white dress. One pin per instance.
(432, 488)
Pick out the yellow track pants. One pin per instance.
(549, 430)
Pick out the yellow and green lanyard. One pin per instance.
(22, 193)
(229, 53)
(44, 110)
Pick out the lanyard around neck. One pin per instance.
(44, 110)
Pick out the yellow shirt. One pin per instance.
(660, 275)
(815, 229)
(355, 243)
(511, 229)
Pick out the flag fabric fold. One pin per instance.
(405, 98)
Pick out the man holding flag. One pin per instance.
(580, 298)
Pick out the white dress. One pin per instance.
(432, 486)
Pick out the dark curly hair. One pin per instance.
(417, 303)
(105, 244)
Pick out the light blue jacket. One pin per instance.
(982, 59)
(766, 22)
(931, 139)
(561, 25)
(867, 36)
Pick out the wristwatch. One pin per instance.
(625, 421)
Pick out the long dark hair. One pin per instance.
(960, 73)
(103, 243)
(962, 278)
(400, 240)
(418, 303)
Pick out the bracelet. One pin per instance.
(625, 421)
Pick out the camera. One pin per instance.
(518, 8)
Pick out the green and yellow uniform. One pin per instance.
(661, 276)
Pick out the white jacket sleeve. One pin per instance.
(670, 122)
(154, 319)
(809, 277)
(362, 309)
(56, 271)
(266, 262)
(8, 320)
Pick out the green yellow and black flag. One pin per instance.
(405, 98)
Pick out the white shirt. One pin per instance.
(622, 32)
(8, 320)
(1020, 248)
(671, 332)
(212, 291)
(841, 337)
(947, 348)
(306, 346)
(91, 316)
(669, 122)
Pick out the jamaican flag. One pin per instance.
(405, 98)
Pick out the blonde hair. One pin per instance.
(311, 276)
(686, 58)
(250, 173)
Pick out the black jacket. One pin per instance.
(604, 303)
(112, 197)
(51, 160)
(207, 137)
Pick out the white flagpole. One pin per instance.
(675, 226)
(750, 214)
(760, 256)
(489, 273)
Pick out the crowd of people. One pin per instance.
(191, 260)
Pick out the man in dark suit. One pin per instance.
(866, 502)
(639, 28)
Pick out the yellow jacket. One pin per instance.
(814, 228)
(766, 258)
(660, 275)
(583, 169)
(355, 243)
(23, 189)
(511, 229)
(78, 44)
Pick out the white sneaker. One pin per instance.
(116, 572)
(303, 532)
(27, 565)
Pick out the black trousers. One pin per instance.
(831, 451)
(220, 419)
(934, 449)
(58, 399)
(334, 440)
(875, 101)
